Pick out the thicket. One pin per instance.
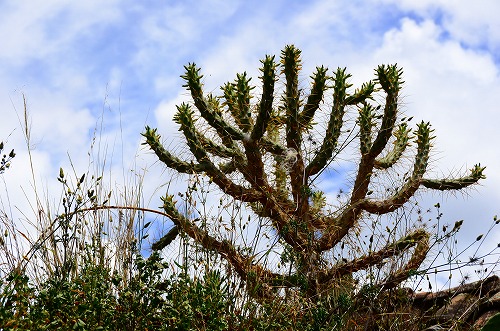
(256, 244)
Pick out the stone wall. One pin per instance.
(468, 306)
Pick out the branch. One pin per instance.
(424, 138)
(365, 120)
(417, 258)
(402, 137)
(266, 102)
(214, 148)
(193, 83)
(171, 161)
(224, 247)
(243, 99)
(476, 174)
(360, 95)
(272, 147)
(166, 239)
(338, 227)
(334, 125)
(184, 118)
(291, 64)
(419, 237)
(389, 77)
(315, 97)
(254, 274)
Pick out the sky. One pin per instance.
(108, 68)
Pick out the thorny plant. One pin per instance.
(256, 154)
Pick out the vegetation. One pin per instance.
(260, 245)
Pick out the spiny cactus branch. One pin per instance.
(171, 161)
(266, 102)
(185, 120)
(243, 264)
(335, 122)
(416, 260)
(402, 141)
(366, 124)
(390, 79)
(243, 97)
(418, 237)
(166, 239)
(214, 148)
(319, 86)
(291, 65)
(361, 95)
(194, 85)
(338, 227)
(476, 174)
(403, 195)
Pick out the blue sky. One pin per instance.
(118, 63)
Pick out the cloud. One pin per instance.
(42, 28)
(474, 25)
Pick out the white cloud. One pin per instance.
(474, 24)
(40, 28)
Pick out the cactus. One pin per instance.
(245, 136)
